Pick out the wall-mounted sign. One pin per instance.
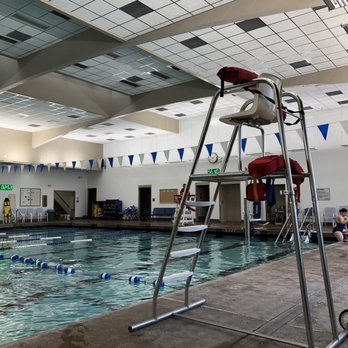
(323, 194)
(6, 187)
(214, 171)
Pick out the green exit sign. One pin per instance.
(214, 171)
(6, 187)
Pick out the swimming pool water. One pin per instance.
(33, 300)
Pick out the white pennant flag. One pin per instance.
(64, 165)
(141, 156)
(8, 169)
(48, 167)
(224, 145)
(300, 133)
(166, 154)
(22, 168)
(99, 161)
(35, 167)
(120, 160)
(194, 149)
(82, 163)
(259, 141)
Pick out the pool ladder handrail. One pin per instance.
(337, 339)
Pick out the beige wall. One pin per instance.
(16, 147)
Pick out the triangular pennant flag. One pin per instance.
(91, 162)
(194, 149)
(181, 153)
(278, 137)
(224, 145)
(35, 168)
(166, 154)
(120, 160)
(73, 164)
(22, 168)
(300, 133)
(111, 161)
(100, 162)
(209, 148)
(48, 167)
(29, 167)
(15, 168)
(154, 155)
(131, 158)
(41, 167)
(141, 157)
(324, 128)
(64, 166)
(57, 165)
(8, 169)
(244, 142)
(259, 140)
(82, 163)
(2, 168)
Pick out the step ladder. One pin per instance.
(268, 89)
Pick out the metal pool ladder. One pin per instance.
(268, 93)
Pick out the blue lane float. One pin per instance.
(134, 279)
(15, 257)
(42, 264)
(155, 282)
(1, 257)
(104, 276)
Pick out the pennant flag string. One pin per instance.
(324, 129)
(154, 155)
(181, 153)
(111, 161)
(278, 137)
(244, 142)
(209, 148)
(91, 162)
(131, 158)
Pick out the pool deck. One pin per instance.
(265, 299)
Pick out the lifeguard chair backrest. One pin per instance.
(263, 110)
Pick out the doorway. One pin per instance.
(144, 202)
(230, 203)
(91, 199)
(202, 194)
(277, 214)
(64, 203)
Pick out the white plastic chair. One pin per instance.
(21, 214)
(329, 215)
(31, 214)
(41, 214)
(262, 110)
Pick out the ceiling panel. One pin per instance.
(128, 70)
(127, 19)
(27, 26)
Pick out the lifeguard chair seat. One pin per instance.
(262, 111)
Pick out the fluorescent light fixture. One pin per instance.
(332, 4)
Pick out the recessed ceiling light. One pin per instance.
(129, 136)
(130, 129)
(23, 115)
(150, 133)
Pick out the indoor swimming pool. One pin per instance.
(35, 299)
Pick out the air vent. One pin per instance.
(113, 55)
(160, 75)
(90, 135)
(18, 35)
(108, 124)
(174, 67)
(111, 139)
(60, 15)
(161, 109)
(74, 116)
(130, 129)
(22, 17)
(7, 39)
(129, 83)
(129, 136)
(81, 66)
(34, 125)
(180, 115)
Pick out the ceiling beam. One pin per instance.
(77, 48)
(330, 76)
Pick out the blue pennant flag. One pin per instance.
(91, 163)
(131, 158)
(2, 168)
(15, 167)
(324, 129)
(209, 148)
(41, 167)
(29, 167)
(57, 165)
(73, 164)
(111, 161)
(278, 137)
(154, 155)
(244, 142)
(181, 153)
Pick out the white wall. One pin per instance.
(48, 182)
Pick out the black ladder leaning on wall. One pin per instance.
(266, 107)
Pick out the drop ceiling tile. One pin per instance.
(262, 32)
(85, 14)
(274, 18)
(291, 34)
(307, 18)
(191, 6)
(284, 25)
(230, 31)
(241, 38)
(313, 28)
(269, 40)
(171, 11)
(222, 44)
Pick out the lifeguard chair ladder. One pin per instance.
(268, 88)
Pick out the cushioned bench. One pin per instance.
(163, 213)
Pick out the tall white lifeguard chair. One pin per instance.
(262, 109)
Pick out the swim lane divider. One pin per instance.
(41, 264)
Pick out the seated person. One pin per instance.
(341, 221)
(6, 211)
